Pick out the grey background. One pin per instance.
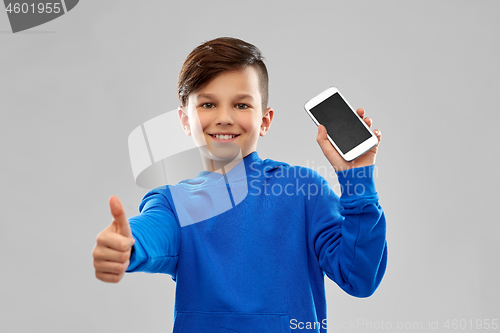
(73, 89)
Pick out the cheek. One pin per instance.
(249, 123)
(198, 124)
(256, 125)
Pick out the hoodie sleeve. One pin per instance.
(157, 236)
(349, 233)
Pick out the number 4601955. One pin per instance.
(40, 8)
(478, 324)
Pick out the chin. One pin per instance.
(222, 151)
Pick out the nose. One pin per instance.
(223, 116)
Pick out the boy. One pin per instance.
(259, 266)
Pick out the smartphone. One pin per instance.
(347, 132)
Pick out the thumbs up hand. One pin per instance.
(112, 251)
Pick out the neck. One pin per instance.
(221, 166)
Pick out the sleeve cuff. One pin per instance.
(135, 256)
(357, 182)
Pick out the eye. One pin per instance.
(241, 106)
(207, 106)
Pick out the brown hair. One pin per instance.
(216, 56)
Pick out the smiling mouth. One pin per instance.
(218, 137)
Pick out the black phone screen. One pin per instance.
(342, 125)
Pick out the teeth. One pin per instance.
(224, 137)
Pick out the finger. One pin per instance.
(322, 138)
(120, 219)
(114, 241)
(111, 266)
(361, 113)
(320, 134)
(368, 121)
(326, 146)
(378, 134)
(108, 277)
(102, 253)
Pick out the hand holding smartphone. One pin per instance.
(346, 131)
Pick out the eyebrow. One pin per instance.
(239, 96)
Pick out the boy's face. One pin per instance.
(229, 105)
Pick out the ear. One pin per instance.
(267, 118)
(183, 117)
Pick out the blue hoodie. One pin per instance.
(249, 250)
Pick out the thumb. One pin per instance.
(119, 218)
(322, 138)
(320, 131)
